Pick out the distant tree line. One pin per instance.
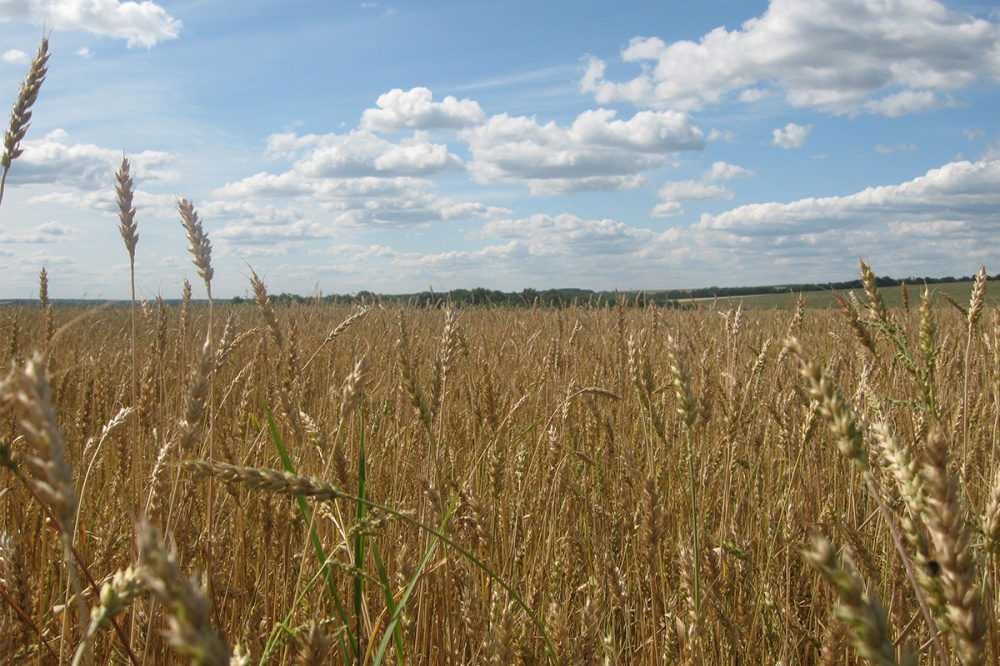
(569, 296)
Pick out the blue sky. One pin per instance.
(399, 146)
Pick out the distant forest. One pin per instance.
(569, 296)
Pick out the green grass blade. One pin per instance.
(359, 538)
(394, 622)
(390, 603)
(338, 607)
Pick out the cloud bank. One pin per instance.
(836, 56)
(140, 23)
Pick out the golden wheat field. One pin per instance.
(584, 485)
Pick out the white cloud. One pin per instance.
(15, 57)
(964, 195)
(84, 52)
(246, 233)
(553, 250)
(596, 153)
(569, 234)
(83, 166)
(723, 171)
(751, 95)
(906, 102)
(835, 56)
(359, 179)
(141, 23)
(792, 136)
(667, 209)
(361, 153)
(288, 145)
(252, 227)
(416, 209)
(414, 109)
(899, 147)
(48, 232)
(706, 189)
(726, 136)
(693, 190)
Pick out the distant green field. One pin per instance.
(959, 291)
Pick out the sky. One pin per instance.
(396, 146)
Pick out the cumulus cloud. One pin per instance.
(48, 232)
(553, 250)
(569, 234)
(414, 109)
(667, 209)
(908, 101)
(726, 136)
(15, 57)
(54, 160)
(596, 153)
(693, 190)
(792, 136)
(359, 179)
(724, 171)
(246, 232)
(836, 56)
(360, 153)
(706, 189)
(962, 195)
(141, 23)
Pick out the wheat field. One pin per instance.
(600, 484)
(529, 476)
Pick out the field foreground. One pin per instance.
(580, 485)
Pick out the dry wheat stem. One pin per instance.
(127, 227)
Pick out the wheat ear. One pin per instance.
(949, 534)
(860, 611)
(189, 632)
(125, 188)
(20, 115)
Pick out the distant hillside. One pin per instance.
(818, 295)
(765, 297)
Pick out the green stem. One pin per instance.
(317, 544)
(359, 539)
